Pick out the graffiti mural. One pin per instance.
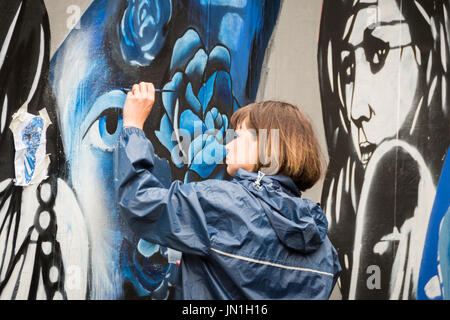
(383, 73)
(209, 54)
(383, 76)
(44, 252)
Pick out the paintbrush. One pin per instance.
(126, 90)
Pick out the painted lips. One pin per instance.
(366, 148)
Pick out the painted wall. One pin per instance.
(372, 76)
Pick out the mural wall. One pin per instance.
(382, 70)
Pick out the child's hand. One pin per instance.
(138, 105)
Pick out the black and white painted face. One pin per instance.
(379, 74)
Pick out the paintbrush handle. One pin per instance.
(156, 90)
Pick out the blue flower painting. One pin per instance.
(141, 30)
(200, 108)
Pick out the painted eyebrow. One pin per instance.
(358, 6)
(381, 25)
(354, 14)
(387, 24)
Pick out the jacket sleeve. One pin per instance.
(170, 217)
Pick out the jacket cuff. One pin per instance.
(140, 139)
(133, 130)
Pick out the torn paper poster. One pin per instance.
(31, 162)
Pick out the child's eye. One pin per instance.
(231, 137)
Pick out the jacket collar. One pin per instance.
(285, 181)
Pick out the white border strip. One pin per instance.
(270, 263)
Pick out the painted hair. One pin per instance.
(24, 69)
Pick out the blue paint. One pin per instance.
(31, 137)
(444, 253)
(437, 239)
(141, 30)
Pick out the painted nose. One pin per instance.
(361, 113)
(359, 99)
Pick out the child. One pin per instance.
(250, 238)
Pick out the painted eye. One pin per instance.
(110, 124)
(104, 122)
(105, 130)
(348, 66)
(230, 136)
(376, 51)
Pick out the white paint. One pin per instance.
(381, 247)
(433, 288)
(353, 184)
(347, 176)
(423, 12)
(4, 114)
(416, 116)
(444, 95)
(46, 247)
(58, 296)
(37, 75)
(53, 274)
(44, 220)
(432, 89)
(46, 192)
(339, 195)
(330, 65)
(329, 203)
(443, 48)
(348, 25)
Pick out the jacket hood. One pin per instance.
(300, 224)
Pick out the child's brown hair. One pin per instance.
(297, 153)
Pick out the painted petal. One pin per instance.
(219, 60)
(222, 97)
(207, 159)
(169, 98)
(184, 49)
(190, 121)
(206, 92)
(214, 113)
(209, 121)
(217, 118)
(196, 68)
(225, 122)
(165, 133)
(193, 101)
(195, 147)
(178, 156)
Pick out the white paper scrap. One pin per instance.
(31, 162)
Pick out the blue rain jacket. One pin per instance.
(248, 238)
